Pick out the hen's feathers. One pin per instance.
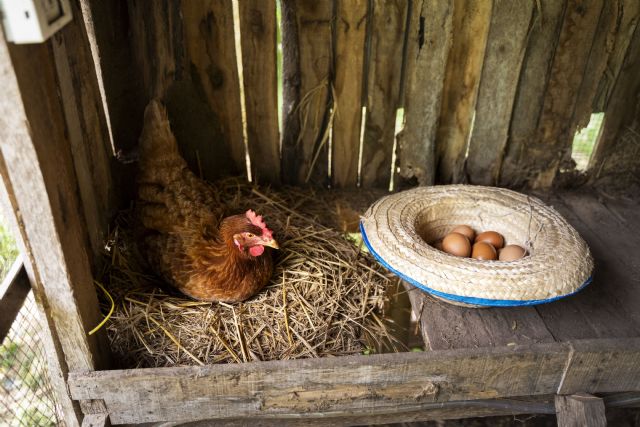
(184, 239)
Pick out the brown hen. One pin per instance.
(184, 239)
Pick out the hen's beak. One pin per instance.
(272, 244)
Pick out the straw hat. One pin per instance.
(396, 230)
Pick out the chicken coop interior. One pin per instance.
(308, 112)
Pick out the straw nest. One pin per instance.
(399, 227)
(324, 298)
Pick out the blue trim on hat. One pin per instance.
(460, 298)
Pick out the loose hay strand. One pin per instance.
(318, 303)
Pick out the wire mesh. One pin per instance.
(26, 397)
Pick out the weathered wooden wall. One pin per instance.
(492, 92)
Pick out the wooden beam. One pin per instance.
(349, 42)
(580, 410)
(13, 292)
(428, 44)
(258, 37)
(506, 45)
(380, 384)
(388, 27)
(464, 67)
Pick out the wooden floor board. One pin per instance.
(605, 309)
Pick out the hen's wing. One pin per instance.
(176, 208)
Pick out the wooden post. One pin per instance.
(580, 410)
(37, 168)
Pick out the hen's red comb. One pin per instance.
(257, 220)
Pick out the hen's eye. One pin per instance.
(250, 235)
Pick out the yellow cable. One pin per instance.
(113, 306)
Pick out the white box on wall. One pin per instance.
(33, 21)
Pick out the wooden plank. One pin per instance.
(464, 66)
(258, 36)
(355, 385)
(580, 410)
(595, 70)
(96, 420)
(13, 292)
(307, 64)
(349, 42)
(428, 44)
(601, 366)
(48, 228)
(535, 71)
(86, 127)
(606, 308)
(506, 45)
(211, 51)
(615, 156)
(556, 123)
(107, 30)
(430, 412)
(446, 326)
(388, 26)
(629, 16)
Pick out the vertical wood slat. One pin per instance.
(87, 129)
(386, 45)
(211, 52)
(580, 410)
(349, 45)
(428, 45)
(307, 65)
(535, 71)
(258, 37)
(629, 12)
(616, 152)
(506, 43)
(556, 126)
(470, 29)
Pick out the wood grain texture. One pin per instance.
(628, 17)
(305, 115)
(258, 35)
(445, 326)
(600, 366)
(211, 52)
(615, 158)
(557, 124)
(37, 170)
(580, 410)
(386, 46)
(428, 43)
(464, 67)
(534, 75)
(96, 420)
(107, 29)
(86, 127)
(14, 290)
(506, 44)
(345, 386)
(349, 42)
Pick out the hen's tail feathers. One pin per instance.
(157, 142)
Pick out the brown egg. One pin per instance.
(492, 237)
(484, 251)
(465, 230)
(456, 244)
(511, 253)
(438, 245)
